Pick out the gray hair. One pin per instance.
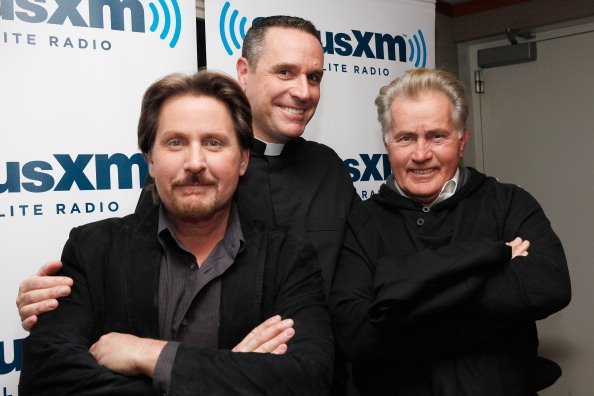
(415, 82)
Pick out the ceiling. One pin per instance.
(455, 2)
(455, 8)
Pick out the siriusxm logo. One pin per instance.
(36, 176)
(58, 12)
(368, 167)
(376, 46)
(232, 29)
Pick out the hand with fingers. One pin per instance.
(519, 247)
(271, 336)
(127, 354)
(38, 293)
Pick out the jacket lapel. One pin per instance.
(241, 290)
(142, 255)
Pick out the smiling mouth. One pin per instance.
(423, 171)
(292, 110)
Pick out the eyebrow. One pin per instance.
(292, 66)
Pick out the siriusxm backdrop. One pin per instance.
(71, 78)
(72, 74)
(366, 43)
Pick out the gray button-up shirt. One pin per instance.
(190, 295)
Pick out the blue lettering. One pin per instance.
(67, 10)
(328, 47)
(368, 44)
(116, 8)
(372, 169)
(124, 165)
(391, 41)
(74, 172)
(387, 166)
(351, 165)
(35, 176)
(17, 361)
(35, 14)
(30, 171)
(363, 44)
(13, 178)
(344, 47)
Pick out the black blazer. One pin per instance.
(115, 267)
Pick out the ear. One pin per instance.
(149, 161)
(243, 70)
(463, 141)
(243, 162)
(385, 139)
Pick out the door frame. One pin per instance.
(467, 64)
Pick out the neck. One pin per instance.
(200, 236)
(258, 134)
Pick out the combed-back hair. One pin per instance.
(416, 82)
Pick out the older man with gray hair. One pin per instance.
(443, 272)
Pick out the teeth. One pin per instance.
(292, 110)
(422, 171)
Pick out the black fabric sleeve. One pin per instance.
(374, 299)
(294, 291)
(56, 358)
(529, 287)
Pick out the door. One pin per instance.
(535, 128)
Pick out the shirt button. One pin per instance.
(192, 267)
(420, 222)
(184, 322)
(426, 209)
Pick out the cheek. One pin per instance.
(398, 159)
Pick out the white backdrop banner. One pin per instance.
(72, 74)
(367, 43)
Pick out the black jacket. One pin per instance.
(115, 267)
(426, 301)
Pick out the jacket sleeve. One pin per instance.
(293, 289)
(528, 287)
(56, 358)
(376, 303)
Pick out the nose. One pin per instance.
(195, 160)
(422, 151)
(301, 88)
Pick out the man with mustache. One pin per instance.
(169, 300)
(290, 183)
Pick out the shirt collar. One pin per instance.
(272, 149)
(448, 189)
(232, 240)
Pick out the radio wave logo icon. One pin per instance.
(234, 28)
(171, 20)
(418, 49)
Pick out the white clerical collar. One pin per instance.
(447, 190)
(272, 149)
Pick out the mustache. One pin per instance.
(195, 179)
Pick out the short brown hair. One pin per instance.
(253, 44)
(203, 83)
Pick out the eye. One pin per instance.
(284, 73)
(174, 143)
(437, 136)
(213, 143)
(315, 78)
(404, 138)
